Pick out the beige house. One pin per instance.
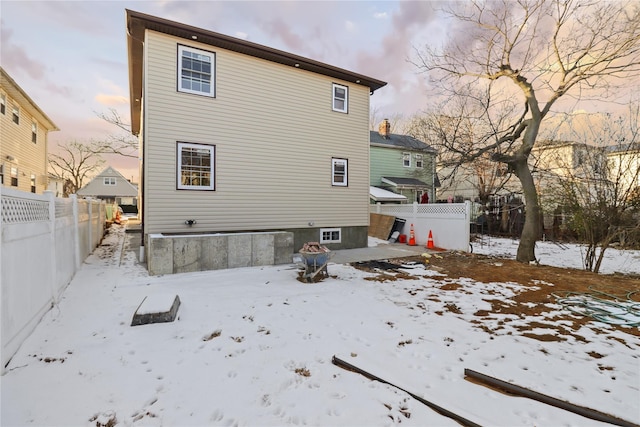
(24, 129)
(236, 136)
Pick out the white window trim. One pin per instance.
(333, 98)
(330, 230)
(3, 102)
(406, 156)
(212, 170)
(212, 86)
(335, 161)
(419, 161)
(109, 180)
(15, 113)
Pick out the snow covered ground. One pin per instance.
(254, 347)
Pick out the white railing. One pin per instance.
(448, 222)
(44, 240)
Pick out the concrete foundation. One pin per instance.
(167, 254)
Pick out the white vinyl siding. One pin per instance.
(272, 157)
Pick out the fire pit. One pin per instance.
(315, 259)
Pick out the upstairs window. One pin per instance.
(14, 177)
(339, 172)
(34, 132)
(3, 103)
(196, 166)
(33, 183)
(16, 115)
(419, 163)
(109, 180)
(196, 71)
(406, 160)
(340, 98)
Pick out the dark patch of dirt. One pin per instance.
(544, 281)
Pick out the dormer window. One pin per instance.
(109, 180)
(340, 98)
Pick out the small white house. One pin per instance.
(111, 186)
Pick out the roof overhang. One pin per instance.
(380, 195)
(15, 92)
(410, 183)
(137, 23)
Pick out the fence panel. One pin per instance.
(447, 222)
(39, 256)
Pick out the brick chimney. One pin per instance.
(384, 129)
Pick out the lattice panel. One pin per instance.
(17, 210)
(441, 208)
(64, 208)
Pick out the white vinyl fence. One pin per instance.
(44, 241)
(448, 222)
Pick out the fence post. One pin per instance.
(76, 229)
(90, 227)
(51, 202)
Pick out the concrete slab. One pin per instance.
(159, 308)
(239, 250)
(262, 249)
(160, 255)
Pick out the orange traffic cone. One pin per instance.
(430, 241)
(412, 237)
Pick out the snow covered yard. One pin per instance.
(254, 347)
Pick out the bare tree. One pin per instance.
(535, 52)
(74, 164)
(596, 182)
(121, 142)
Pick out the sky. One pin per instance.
(254, 347)
(71, 56)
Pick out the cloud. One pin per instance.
(380, 15)
(17, 56)
(63, 91)
(350, 26)
(111, 100)
(279, 28)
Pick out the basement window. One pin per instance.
(330, 235)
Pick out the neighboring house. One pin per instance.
(624, 166)
(56, 185)
(402, 164)
(110, 186)
(236, 136)
(24, 129)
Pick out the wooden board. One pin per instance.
(380, 225)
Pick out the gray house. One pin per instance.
(111, 186)
(402, 164)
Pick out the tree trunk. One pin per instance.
(530, 231)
